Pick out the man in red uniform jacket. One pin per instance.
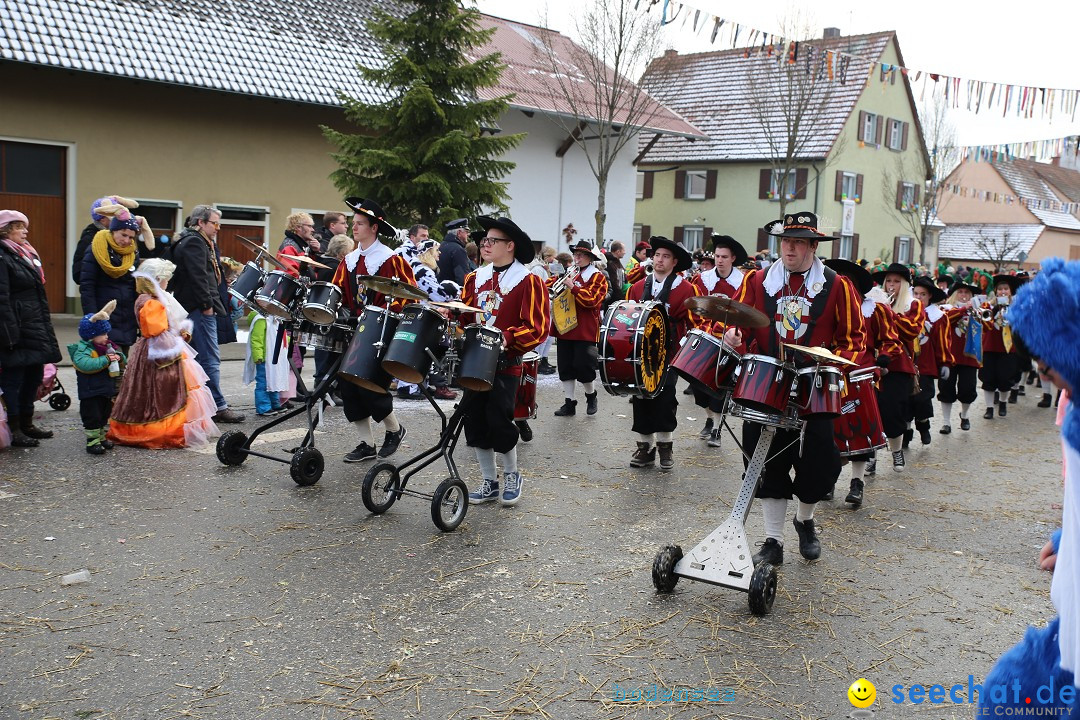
(515, 302)
(808, 304)
(370, 257)
(655, 419)
(576, 356)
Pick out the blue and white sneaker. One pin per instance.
(485, 493)
(511, 493)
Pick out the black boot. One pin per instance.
(569, 407)
(924, 431)
(1046, 400)
(524, 430)
(644, 456)
(909, 435)
(545, 367)
(989, 414)
(809, 545)
(18, 437)
(31, 430)
(590, 403)
(854, 495)
(1003, 409)
(1012, 396)
(667, 455)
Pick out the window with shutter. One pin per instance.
(696, 181)
(646, 232)
(855, 246)
(710, 184)
(838, 190)
(677, 235)
(764, 183)
(680, 184)
(903, 141)
(878, 129)
(802, 179)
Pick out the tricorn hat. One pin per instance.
(524, 252)
(587, 247)
(726, 241)
(961, 285)
(374, 211)
(1012, 281)
(683, 259)
(925, 281)
(945, 278)
(893, 269)
(854, 272)
(801, 224)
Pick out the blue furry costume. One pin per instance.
(1044, 315)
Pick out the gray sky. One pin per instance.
(1032, 44)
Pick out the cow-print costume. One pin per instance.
(427, 278)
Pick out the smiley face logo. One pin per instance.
(862, 693)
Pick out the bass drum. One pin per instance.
(634, 349)
(525, 406)
(362, 363)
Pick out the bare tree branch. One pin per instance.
(1000, 251)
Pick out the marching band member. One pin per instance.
(371, 257)
(655, 419)
(640, 264)
(881, 345)
(516, 302)
(1000, 360)
(934, 356)
(896, 387)
(809, 305)
(575, 354)
(724, 279)
(965, 349)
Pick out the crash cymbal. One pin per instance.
(727, 311)
(262, 253)
(458, 306)
(820, 353)
(392, 287)
(309, 261)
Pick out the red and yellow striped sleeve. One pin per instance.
(910, 324)
(888, 341)
(940, 338)
(592, 293)
(635, 273)
(849, 338)
(535, 318)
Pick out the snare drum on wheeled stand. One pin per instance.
(707, 363)
(634, 349)
(362, 364)
(857, 431)
(281, 295)
(525, 405)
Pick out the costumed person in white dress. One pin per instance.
(269, 370)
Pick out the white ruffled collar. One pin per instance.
(584, 275)
(374, 257)
(813, 283)
(710, 277)
(508, 279)
(933, 313)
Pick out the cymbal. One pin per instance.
(823, 354)
(727, 311)
(458, 306)
(309, 261)
(263, 253)
(392, 287)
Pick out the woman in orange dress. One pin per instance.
(163, 400)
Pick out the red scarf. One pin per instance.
(27, 252)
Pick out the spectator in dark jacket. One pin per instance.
(333, 223)
(616, 273)
(197, 282)
(107, 269)
(27, 340)
(453, 261)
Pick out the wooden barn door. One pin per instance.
(229, 246)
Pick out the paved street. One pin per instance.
(231, 592)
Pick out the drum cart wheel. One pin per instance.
(381, 488)
(449, 504)
(60, 401)
(762, 589)
(663, 568)
(307, 466)
(231, 447)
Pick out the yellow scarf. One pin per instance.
(101, 244)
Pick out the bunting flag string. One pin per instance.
(1010, 199)
(1039, 150)
(1024, 101)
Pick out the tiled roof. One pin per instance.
(1065, 180)
(711, 90)
(1024, 177)
(529, 77)
(961, 242)
(292, 50)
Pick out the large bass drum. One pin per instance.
(362, 363)
(634, 349)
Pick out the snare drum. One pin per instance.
(480, 351)
(525, 405)
(858, 429)
(333, 338)
(764, 384)
(707, 363)
(421, 328)
(322, 303)
(361, 364)
(818, 391)
(280, 295)
(634, 346)
(249, 281)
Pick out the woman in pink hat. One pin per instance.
(27, 340)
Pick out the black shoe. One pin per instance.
(714, 438)
(228, 416)
(95, 449)
(1013, 395)
(1003, 409)
(965, 424)
(898, 461)
(924, 433)
(546, 368)
(771, 552)
(32, 431)
(945, 429)
(829, 495)
(909, 435)
(707, 430)
(809, 545)
(667, 455)
(569, 407)
(989, 414)
(1021, 391)
(1032, 377)
(391, 441)
(644, 456)
(1046, 400)
(524, 430)
(854, 495)
(362, 452)
(871, 466)
(107, 444)
(591, 405)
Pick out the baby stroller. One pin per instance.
(53, 389)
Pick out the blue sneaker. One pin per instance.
(511, 493)
(485, 493)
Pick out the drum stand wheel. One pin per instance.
(231, 447)
(663, 568)
(449, 504)
(762, 590)
(381, 487)
(307, 466)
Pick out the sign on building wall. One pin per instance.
(847, 222)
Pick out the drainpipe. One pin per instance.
(817, 185)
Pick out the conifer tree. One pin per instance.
(424, 152)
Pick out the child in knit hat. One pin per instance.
(98, 364)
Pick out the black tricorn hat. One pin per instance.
(894, 269)
(961, 285)
(802, 224)
(726, 241)
(925, 281)
(586, 247)
(854, 272)
(1012, 281)
(683, 259)
(945, 278)
(373, 210)
(524, 252)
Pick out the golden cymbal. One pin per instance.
(309, 261)
(262, 253)
(458, 306)
(392, 287)
(820, 353)
(727, 311)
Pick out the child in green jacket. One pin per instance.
(98, 363)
